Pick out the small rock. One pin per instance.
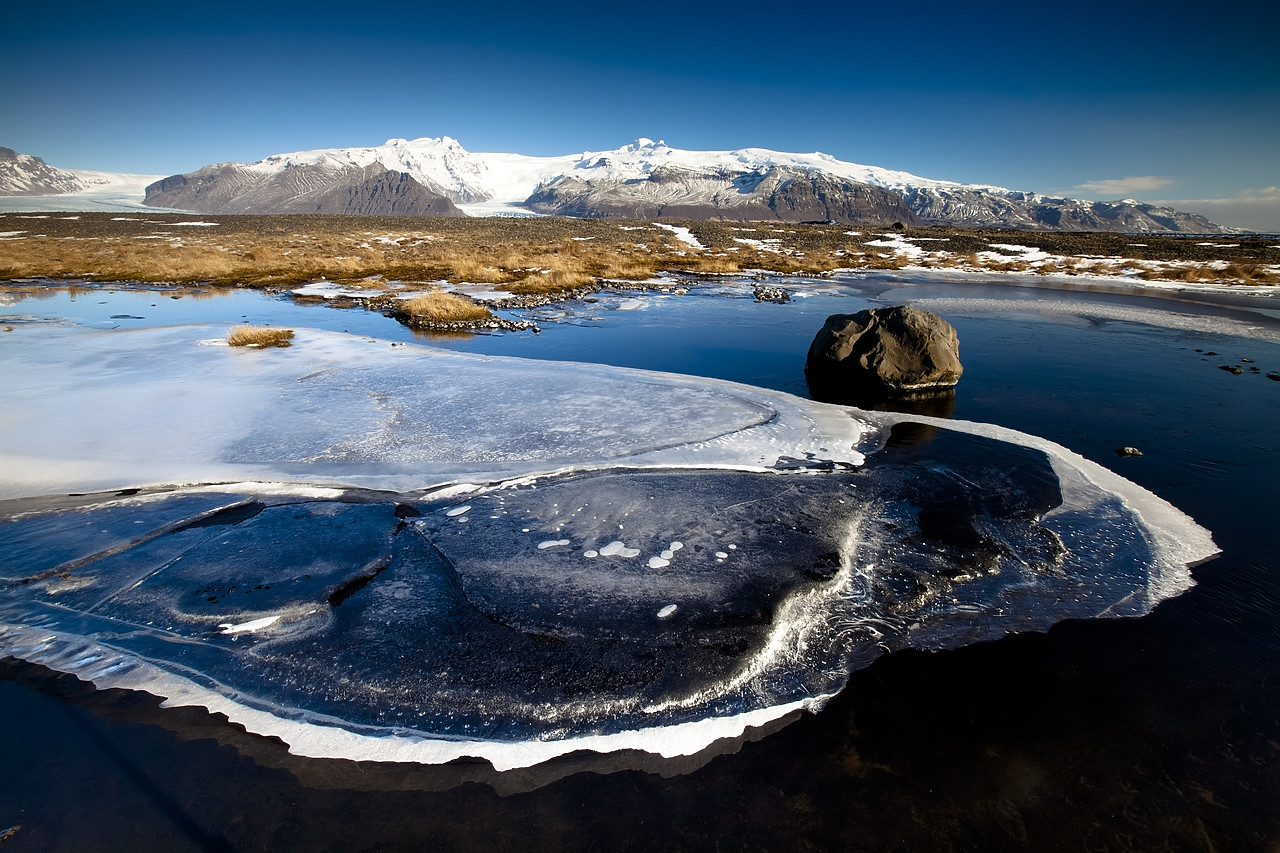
(1232, 369)
(1128, 451)
(771, 294)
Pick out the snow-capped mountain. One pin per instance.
(29, 183)
(22, 174)
(649, 179)
(645, 179)
(320, 187)
(493, 179)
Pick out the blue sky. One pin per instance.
(1099, 100)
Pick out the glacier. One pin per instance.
(397, 553)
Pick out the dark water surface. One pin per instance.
(1154, 733)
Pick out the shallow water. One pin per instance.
(1160, 731)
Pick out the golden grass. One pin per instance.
(259, 336)
(627, 269)
(439, 308)
(546, 255)
(1251, 273)
(1237, 273)
(555, 281)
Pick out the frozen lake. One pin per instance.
(1088, 370)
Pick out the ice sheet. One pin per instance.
(418, 555)
(1211, 323)
(337, 408)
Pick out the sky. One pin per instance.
(1162, 102)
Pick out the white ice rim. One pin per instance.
(1176, 537)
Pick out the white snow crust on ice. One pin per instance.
(973, 306)
(312, 736)
(1176, 535)
(337, 409)
(329, 290)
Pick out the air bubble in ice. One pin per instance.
(617, 548)
(247, 627)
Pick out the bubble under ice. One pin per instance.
(369, 624)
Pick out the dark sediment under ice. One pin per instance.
(569, 606)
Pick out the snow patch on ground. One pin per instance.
(899, 245)
(682, 234)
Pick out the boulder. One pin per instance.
(883, 352)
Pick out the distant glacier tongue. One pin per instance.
(459, 566)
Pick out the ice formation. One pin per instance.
(649, 562)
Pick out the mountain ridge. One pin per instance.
(648, 179)
(437, 176)
(25, 175)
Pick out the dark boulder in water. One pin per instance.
(883, 352)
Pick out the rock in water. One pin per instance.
(883, 352)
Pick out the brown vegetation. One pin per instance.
(259, 336)
(438, 308)
(553, 255)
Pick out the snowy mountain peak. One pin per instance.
(644, 143)
(444, 165)
(22, 174)
(426, 142)
(644, 178)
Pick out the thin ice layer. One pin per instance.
(92, 409)
(542, 613)
(396, 628)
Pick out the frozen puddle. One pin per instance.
(691, 558)
(342, 409)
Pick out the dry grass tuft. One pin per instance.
(555, 281)
(439, 307)
(259, 336)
